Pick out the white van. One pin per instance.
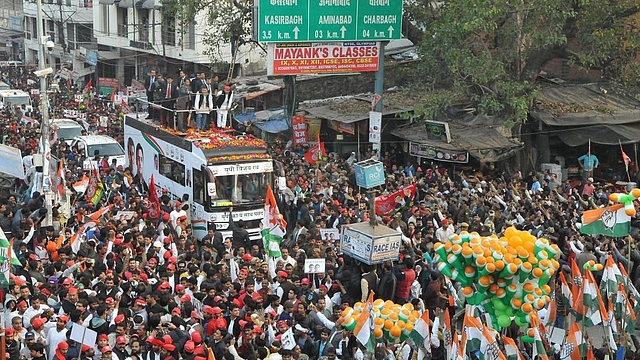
(106, 145)
(4, 86)
(15, 97)
(67, 129)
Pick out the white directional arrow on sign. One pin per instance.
(390, 31)
(296, 31)
(343, 30)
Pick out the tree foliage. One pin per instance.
(491, 52)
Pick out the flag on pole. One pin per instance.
(594, 310)
(610, 221)
(575, 345)
(611, 327)
(6, 260)
(511, 349)
(364, 326)
(538, 349)
(634, 296)
(552, 311)
(624, 310)
(75, 240)
(60, 182)
(611, 277)
(626, 159)
(420, 332)
(154, 201)
(81, 186)
(447, 332)
(87, 88)
(567, 294)
(274, 226)
(98, 214)
(474, 333)
(454, 350)
(454, 299)
(316, 153)
(489, 346)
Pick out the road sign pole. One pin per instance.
(379, 90)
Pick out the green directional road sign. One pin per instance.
(329, 20)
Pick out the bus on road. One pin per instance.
(216, 169)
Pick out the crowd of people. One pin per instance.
(150, 290)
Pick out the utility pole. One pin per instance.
(44, 126)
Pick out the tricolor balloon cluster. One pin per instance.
(391, 321)
(627, 200)
(507, 275)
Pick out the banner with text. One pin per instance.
(299, 126)
(322, 58)
(433, 153)
(386, 204)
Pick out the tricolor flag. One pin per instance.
(454, 350)
(473, 329)
(610, 221)
(454, 299)
(98, 214)
(489, 346)
(552, 311)
(611, 328)
(538, 349)
(6, 260)
(364, 326)
(594, 310)
(81, 186)
(626, 159)
(75, 240)
(575, 344)
(420, 333)
(624, 310)
(273, 225)
(567, 294)
(634, 296)
(447, 331)
(511, 349)
(576, 291)
(611, 277)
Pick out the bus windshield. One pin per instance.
(241, 189)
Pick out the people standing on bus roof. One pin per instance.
(203, 106)
(223, 104)
(170, 92)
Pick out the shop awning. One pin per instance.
(475, 135)
(348, 111)
(126, 3)
(583, 112)
(151, 4)
(271, 120)
(107, 2)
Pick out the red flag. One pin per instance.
(87, 88)
(154, 201)
(386, 204)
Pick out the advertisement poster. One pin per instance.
(433, 153)
(299, 126)
(106, 86)
(375, 126)
(322, 58)
(313, 129)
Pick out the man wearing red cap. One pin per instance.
(120, 350)
(57, 334)
(61, 351)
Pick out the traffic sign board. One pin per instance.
(329, 20)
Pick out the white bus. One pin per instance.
(217, 170)
(16, 98)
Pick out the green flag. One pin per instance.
(7, 258)
(271, 243)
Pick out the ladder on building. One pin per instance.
(233, 62)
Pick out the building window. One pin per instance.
(123, 21)
(172, 169)
(84, 33)
(71, 36)
(143, 25)
(105, 20)
(168, 30)
(27, 28)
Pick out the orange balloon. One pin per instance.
(467, 291)
(529, 246)
(537, 272)
(388, 324)
(510, 232)
(408, 328)
(379, 322)
(516, 303)
(499, 265)
(481, 261)
(546, 289)
(493, 288)
(531, 333)
(533, 260)
(491, 267)
(527, 308)
(377, 332)
(484, 280)
(501, 293)
(526, 266)
(528, 287)
(393, 317)
(395, 332)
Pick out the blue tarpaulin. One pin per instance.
(270, 120)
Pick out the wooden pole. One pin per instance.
(589, 161)
(3, 346)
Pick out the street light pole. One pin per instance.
(44, 126)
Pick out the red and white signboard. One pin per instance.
(322, 58)
(299, 125)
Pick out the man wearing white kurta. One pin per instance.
(223, 103)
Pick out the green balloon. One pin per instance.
(504, 321)
(527, 339)
(499, 305)
(521, 322)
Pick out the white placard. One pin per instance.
(557, 335)
(83, 335)
(314, 266)
(375, 126)
(330, 235)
